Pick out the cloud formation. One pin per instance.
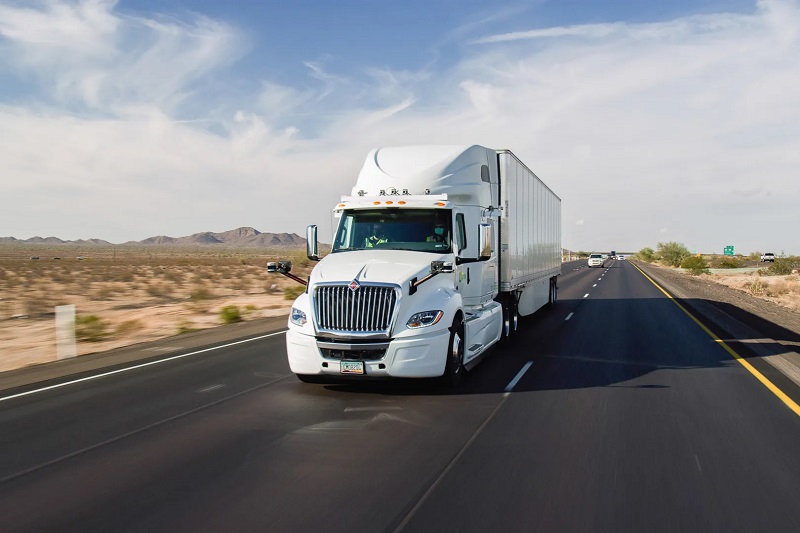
(121, 127)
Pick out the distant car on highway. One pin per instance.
(596, 260)
(621, 257)
(768, 257)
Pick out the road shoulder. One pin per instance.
(757, 329)
(77, 366)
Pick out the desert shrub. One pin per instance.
(729, 262)
(103, 292)
(201, 293)
(159, 290)
(291, 293)
(239, 284)
(757, 287)
(696, 265)
(173, 276)
(186, 327)
(129, 326)
(781, 267)
(90, 328)
(646, 254)
(673, 253)
(230, 314)
(779, 288)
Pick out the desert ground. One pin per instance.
(132, 295)
(125, 296)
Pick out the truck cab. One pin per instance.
(412, 286)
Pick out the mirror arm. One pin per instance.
(283, 268)
(437, 267)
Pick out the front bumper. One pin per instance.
(420, 356)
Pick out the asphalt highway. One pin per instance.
(612, 411)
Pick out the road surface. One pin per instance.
(612, 411)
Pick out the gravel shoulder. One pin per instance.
(773, 317)
(74, 368)
(764, 333)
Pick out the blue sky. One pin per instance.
(653, 121)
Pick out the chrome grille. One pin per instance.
(369, 309)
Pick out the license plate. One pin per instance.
(352, 367)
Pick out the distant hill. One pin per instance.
(244, 237)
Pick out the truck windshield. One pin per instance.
(422, 230)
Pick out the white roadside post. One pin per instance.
(65, 332)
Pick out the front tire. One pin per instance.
(454, 366)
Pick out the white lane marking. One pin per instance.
(98, 376)
(595, 285)
(600, 278)
(373, 408)
(586, 295)
(212, 387)
(568, 317)
(518, 377)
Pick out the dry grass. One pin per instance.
(140, 294)
(783, 290)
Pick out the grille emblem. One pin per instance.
(354, 285)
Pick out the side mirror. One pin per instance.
(440, 267)
(312, 248)
(484, 242)
(283, 267)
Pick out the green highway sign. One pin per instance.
(728, 250)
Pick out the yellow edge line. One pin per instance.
(758, 375)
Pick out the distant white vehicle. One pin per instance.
(768, 257)
(596, 260)
(621, 257)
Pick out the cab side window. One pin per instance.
(461, 232)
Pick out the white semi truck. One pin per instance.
(438, 251)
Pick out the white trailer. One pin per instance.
(437, 252)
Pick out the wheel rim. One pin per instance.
(515, 318)
(506, 322)
(455, 354)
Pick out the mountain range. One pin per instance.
(245, 237)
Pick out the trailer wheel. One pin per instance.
(512, 305)
(454, 366)
(553, 292)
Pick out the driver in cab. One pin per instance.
(377, 237)
(438, 234)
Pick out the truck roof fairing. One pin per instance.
(460, 172)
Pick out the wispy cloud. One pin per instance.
(689, 124)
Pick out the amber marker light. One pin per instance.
(401, 202)
(440, 204)
(376, 203)
(389, 203)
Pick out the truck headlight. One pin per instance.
(298, 317)
(424, 319)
